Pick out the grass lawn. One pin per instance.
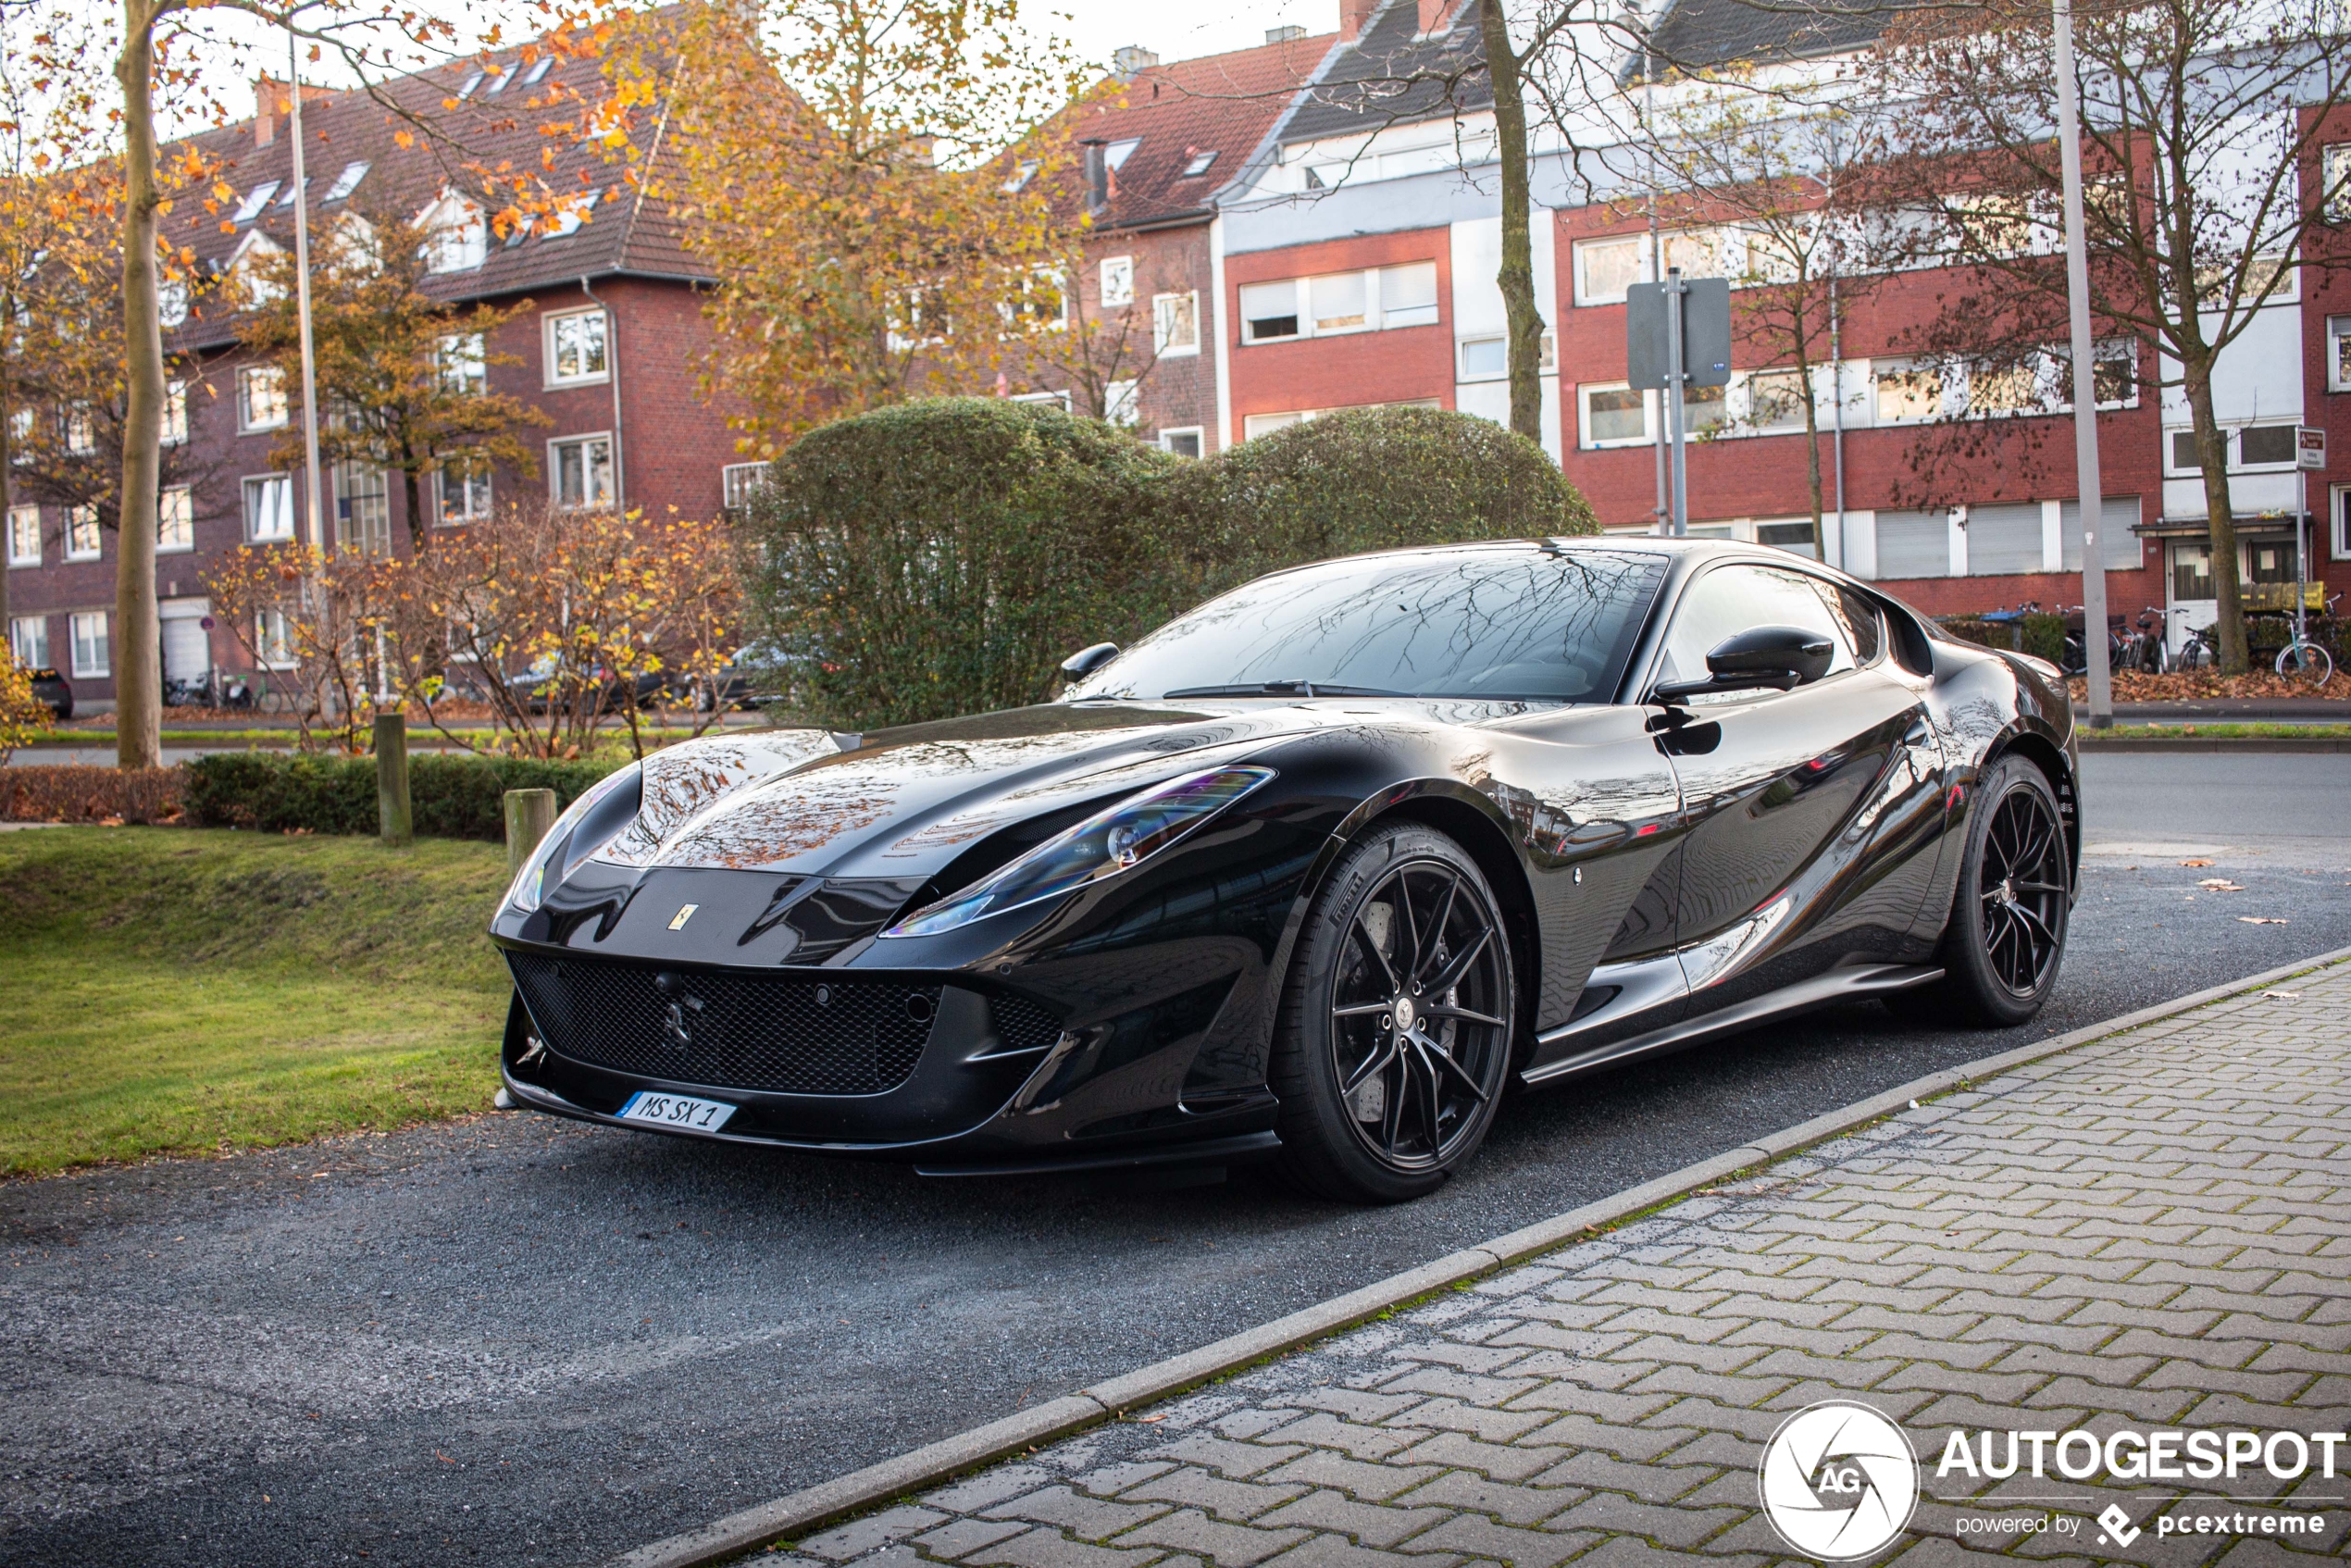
(2199, 730)
(170, 991)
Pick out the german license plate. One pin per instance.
(680, 1110)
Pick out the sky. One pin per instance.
(1180, 30)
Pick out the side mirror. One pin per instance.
(1763, 658)
(1086, 661)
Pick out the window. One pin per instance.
(261, 398)
(255, 199)
(1485, 359)
(1706, 253)
(29, 639)
(1705, 408)
(24, 535)
(2266, 446)
(2342, 523)
(175, 414)
(1266, 424)
(1185, 442)
(576, 347)
(363, 508)
(1200, 164)
(270, 513)
(82, 533)
(2003, 540)
(1117, 282)
(2118, 545)
(2182, 453)
(1730, 600)
(1023, 172)
(273, 640)
(462, 494)
(2338, 353)
(1269, 311)
(1376, 300)
(2191, 571)
(537, 69)
(457, 238)
(471, 82)
(1796, 538)
(1175, 323)
(81, 430)
(175, 519)
(737, 481)
(1906, 392)
(249, 282)
(1058, 399)
(1120, 406)
(1606, 268)
(1613, 414)
(1256, 425)
(1913, 544)
(1775, 403)
(347, 181)
(463, 363)
(90, 651)
(580, 471)
(171, 302)
(2114, 376)
(570, 214)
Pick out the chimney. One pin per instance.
(1353, 16)
(1289, 33)
(270, 101)
(1131, 60)
(1097, 176)
(1433, 15)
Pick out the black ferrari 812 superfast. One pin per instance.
(1322, 871)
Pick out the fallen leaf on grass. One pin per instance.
(2220, 885)
(2262, 919)
(2195, 863)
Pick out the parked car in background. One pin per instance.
(746, 681)
(49, 687)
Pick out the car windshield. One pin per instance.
(1533, 625)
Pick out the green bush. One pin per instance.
(942, 557)
(458, 797)
(2044, 638)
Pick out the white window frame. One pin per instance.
(1163, 306)
(2237, 450)
(1377, 317)
(1582, 250)
(555, 470)
(24, 523)
(80, 429)
(273, 637)
(1255, 425)
(1123, 403)
(2338, 340)
(29, 641)
(461, 360)
(442, 480)
(1586, 441)
(549, 328)
(81, 523)
(1198, 434)
(1058, 399)
(2341, 527)
(175, 520)
(737, 481)
(175, 414)
(1115, 285)
(457, 235)
(245, 492)
(97, 668)
(1952, 389)
(249, 377)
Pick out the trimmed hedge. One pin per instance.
(451, 797)
(943, 556)
(66, 792)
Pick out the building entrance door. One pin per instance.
(2192, 601)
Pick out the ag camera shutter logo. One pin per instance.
(1838, 1481)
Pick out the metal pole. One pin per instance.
(2085, 394)
(1657, 262)
(1836, 408)
(1674, 376)
(311, 517)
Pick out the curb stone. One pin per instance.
(799, 1514)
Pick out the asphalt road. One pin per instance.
(516, 1340)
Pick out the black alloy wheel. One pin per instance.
(2006, 938)
(1398, 1022)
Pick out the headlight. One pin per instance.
(532, 881)
(1103, 845)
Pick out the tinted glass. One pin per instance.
(1492, 624)
(1730, 600)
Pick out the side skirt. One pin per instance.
(1820, 991)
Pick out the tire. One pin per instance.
(1406, 924)
(2001, 952)
(2308, 662)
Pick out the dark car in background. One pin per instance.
(1315, 872)
(50, 688)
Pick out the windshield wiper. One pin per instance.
(1282, 689)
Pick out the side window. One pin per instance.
(1730, 600)
(1860, 620)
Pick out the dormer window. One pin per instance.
(457, 236)
(255, 199)
(471, 82)
(499, 82)
(537, 69)
(1199, 163)
(347, 181)
(1117, 153)
(287, 199)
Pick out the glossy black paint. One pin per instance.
(1658, 864)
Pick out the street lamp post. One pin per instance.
(2085, 396)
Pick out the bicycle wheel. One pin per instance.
(2306, 661)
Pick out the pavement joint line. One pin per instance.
(801, 1512)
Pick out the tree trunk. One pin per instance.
(1812, 459)
(137, 652)
(2212, 451)
(7, 466)
(419, 526)
(1523, 321)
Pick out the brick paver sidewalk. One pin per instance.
(2152, 1230)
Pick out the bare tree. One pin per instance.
(2204, 125)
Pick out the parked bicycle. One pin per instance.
(2302, 659)
(2149, 652)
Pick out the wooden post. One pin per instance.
(529, 814)
(395, 823)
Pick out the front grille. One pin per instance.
(785, 1036)
(1022, 1024)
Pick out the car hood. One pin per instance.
(902, 802)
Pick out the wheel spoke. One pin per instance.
(1392, 1116)
(1361, 1009)
(1458, 1071)
(1440, 1010)
(1410, 944)
(1456, 967)
(1363, 933)
(1372, 1063)
(1432, 1111)
(1427, 957)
